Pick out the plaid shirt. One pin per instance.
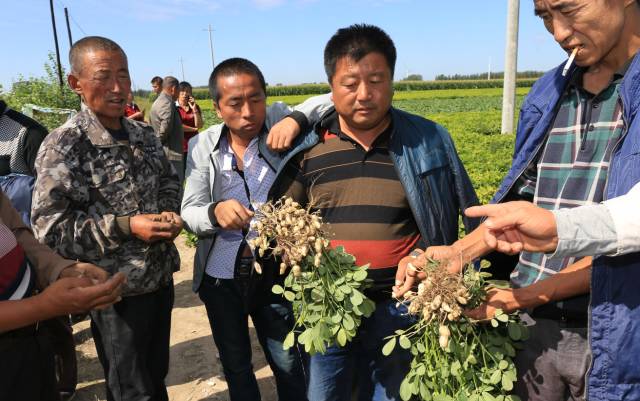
(572, 168)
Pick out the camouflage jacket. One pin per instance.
(87, 183)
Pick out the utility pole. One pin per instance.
(213, 65)
(510, 67)
(489, 72)
(182, 66)
(66, 17)
(55, 39)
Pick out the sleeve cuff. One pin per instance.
(212, 215)
(122, 226)
(301, 119)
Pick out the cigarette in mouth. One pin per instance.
(570, 61)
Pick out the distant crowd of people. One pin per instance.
(110, 194)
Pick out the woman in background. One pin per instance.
(190, 114)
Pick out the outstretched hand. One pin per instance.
(513, 227)
(70, 295)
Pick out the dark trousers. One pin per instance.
(230, 327)
(27, 371)
(64, 348)
(553, 363)
(132, 340)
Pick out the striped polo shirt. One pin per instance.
(360, 198)
(16, 278)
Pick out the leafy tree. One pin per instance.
(43, 91)
(413, 77)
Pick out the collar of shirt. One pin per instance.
(331, 123)
(576, 79)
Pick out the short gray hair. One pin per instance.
(169, 82)
(91, 43)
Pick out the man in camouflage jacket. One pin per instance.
(107, 194)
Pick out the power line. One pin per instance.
(71, 16)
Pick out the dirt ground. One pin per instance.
(195, 373)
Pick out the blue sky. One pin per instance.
(285, 38)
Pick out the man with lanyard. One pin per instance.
(576, 144)
(229, 172)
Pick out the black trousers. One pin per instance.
(27, 371)
(132, 340)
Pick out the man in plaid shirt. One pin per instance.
(564, 148)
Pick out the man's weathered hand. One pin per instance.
(282, 134)
(404, 282)
(70, 295)
(151, 228)
(450, 255)
(232, 215)
(497, 298)
(516, 226)
(175, 220)
(80, 269)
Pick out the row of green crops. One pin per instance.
(399, 86)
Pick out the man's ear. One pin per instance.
(74, 84)
(217, 109)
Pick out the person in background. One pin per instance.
(20, 139)
(156, 85)
(131, 109)
(190, 114)
(156, 88)
(65, 286)
(165, 120)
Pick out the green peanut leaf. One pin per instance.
(277, 289)
(405, 342)
(405, 390)
(289, 340)
(503, 318)
(514, 331)
(356, 298)
(389, 346)
(348, 323)
(503, 365)
(507, 385)
(360, 275)
(341, 337)
(496, 376)
(289, 296)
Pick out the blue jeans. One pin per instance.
(360, 365)
(229, 324)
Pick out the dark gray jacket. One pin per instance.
(167, 124)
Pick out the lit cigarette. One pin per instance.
(570, 61)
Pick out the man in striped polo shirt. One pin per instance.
(385, 181)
